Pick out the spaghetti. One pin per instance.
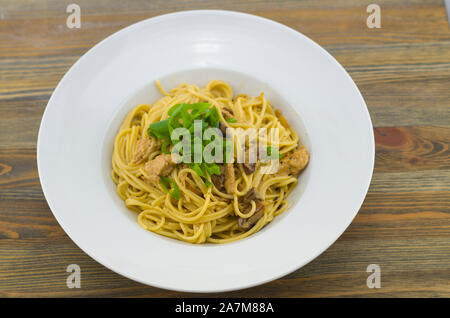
(204, 211)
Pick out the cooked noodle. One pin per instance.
(202, 213)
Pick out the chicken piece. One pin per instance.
(144, 147)
(160, 166)
(230, 179)
(294, 163)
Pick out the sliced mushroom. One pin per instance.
(227, 113)
(246, 207)
(252, 194)
(219, 180)
(259, 207)
(246, 223)
(249, 168)
(223, 128)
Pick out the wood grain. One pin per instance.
(402, 70)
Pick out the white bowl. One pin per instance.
(251, 53)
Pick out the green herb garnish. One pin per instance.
(231, 120)
(204, 168)
(198, 169)
(174, 191)
(183, 116)
(208, 183)
(164, 146)
(271, 149)
(160, 129)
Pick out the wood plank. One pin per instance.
(53, 7)
(388, 216)
(25, 76)
(327, 26)
(401, 155)
(21, 219)
(397, 218)
(427, 212)
(21, 118)
(413, 103)
(412, 148)
(37, 75)
(397, 149)
(342, 269)
(421, 102)
(18, 174)
(410, 181)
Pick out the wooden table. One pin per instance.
(402, 70)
